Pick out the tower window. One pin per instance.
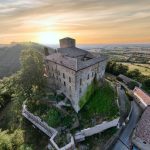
(80, 91)
(95, 75)
(80, 81)
(88, 76)
(64, 83)
(70, 79)
(92, 74)
(63, 75)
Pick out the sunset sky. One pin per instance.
(89, 21)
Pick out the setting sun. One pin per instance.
(48, 37)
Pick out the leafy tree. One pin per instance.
(116, 69)
(32, 71)
(135, 74)
(7, 89)
(132, 85)
(147, 82)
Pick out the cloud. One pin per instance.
(99, 18)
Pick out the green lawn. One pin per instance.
(101, 103)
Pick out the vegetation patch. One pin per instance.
(11, 141)
(101, 104)
(50, 114)
(89, 92)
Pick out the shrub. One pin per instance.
(147, 82)
(132, 85)
(53, 117)
(10, 141)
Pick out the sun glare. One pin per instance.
(48, 37)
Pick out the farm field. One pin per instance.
(143, 68)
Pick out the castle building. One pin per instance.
(72, 69)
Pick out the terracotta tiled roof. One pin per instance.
(140, 94)
(143, 127)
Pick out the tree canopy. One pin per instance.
(32, 70)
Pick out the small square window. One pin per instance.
(92, 74)
(63, 75)
(69, 79)
(80, 81)
(80, 90)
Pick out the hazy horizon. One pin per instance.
(91, 46)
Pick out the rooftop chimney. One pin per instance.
(67, 42)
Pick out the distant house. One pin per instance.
(141, 134)
(73, 69)
(142, 98)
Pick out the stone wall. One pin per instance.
(74, 83)
(49, 131)
(86, 76)
(96, 129)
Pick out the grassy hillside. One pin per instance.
(143, 68)
(9, 56)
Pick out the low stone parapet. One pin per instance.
(80, 136)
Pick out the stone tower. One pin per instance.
(67, 43)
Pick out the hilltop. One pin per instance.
(10, 54)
